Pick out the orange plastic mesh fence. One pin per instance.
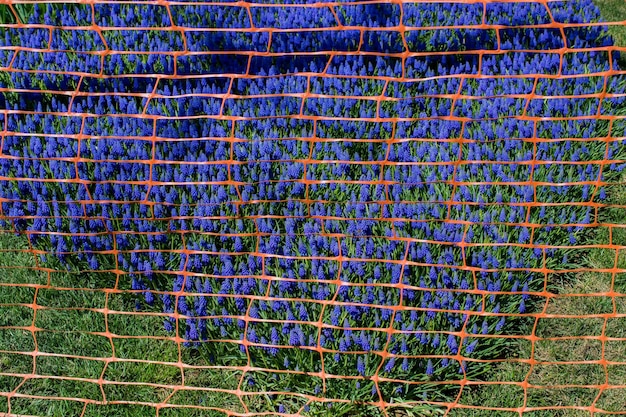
(365, 208)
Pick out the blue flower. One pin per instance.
(360, 366)
(430, 370)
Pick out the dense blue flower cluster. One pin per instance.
(315, 196)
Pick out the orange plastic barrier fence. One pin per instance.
(349, 208)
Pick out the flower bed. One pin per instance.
(351, 211)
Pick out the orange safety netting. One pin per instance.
(328, 208)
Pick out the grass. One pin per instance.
(69, 344)
(615, 11)
(145, 368)
(567, 366)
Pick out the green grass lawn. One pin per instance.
(570, 328)
(93, 355)
(614, 11)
